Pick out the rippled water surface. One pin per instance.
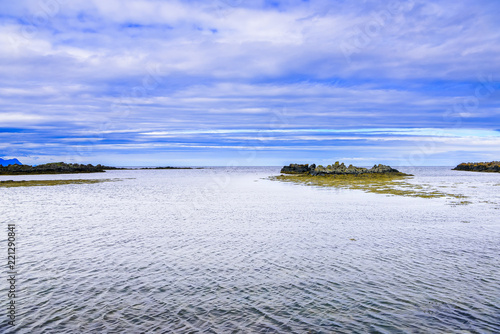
(227, 251)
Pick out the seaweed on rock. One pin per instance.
(337, 169)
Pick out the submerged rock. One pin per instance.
(492, 167)
(335, 169)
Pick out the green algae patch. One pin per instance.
(455, 203)
(46, 183)
(385, 183)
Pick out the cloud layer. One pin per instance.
(197, 82)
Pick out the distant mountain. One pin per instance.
(9, 162)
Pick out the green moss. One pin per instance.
(388, 184)
(40, 183)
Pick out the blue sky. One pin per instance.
(239, 82)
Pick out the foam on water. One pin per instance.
(225, 250)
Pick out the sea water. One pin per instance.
(226, 250)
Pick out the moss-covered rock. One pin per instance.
(336, 169)
(298, 168)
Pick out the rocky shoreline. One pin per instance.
(65, 168)
(52, 168)
(491, 167)
(337, 169)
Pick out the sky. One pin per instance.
(250, 83)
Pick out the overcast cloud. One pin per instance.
(149, 82)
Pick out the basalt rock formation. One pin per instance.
(336, 169)
(52, 168)
(298, 169)
(492, 167)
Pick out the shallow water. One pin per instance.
(227, 251)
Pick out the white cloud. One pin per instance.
(19, 118)
(162, 67)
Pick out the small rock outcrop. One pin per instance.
(298, 169)
(492, 167)
(336, 169)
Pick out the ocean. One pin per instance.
(226, 250)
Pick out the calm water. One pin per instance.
(226, 251)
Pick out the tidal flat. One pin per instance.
(45, 183)
(388, 184)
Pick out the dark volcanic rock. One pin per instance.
(298, 169)
(492, 167)
(382, 169)
(335, 169)
(51, 168)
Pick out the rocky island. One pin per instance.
(380, 179)
(491, 167)
(52, 168)
(339, 169)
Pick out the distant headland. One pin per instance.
(65, 168)
(169, 167)
(491, 167)
(52, 168)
